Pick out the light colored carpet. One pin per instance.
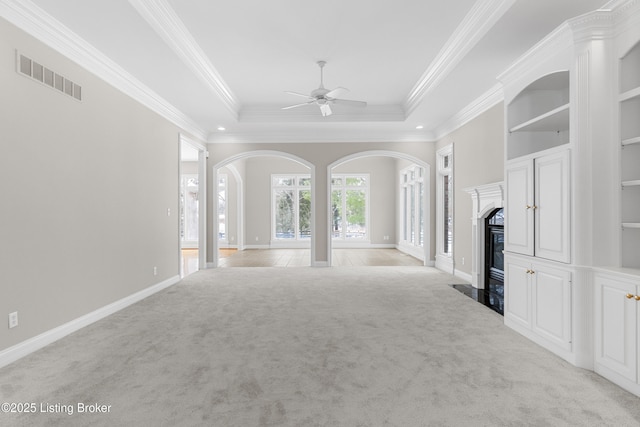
(364, 346)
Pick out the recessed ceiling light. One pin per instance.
(419, 127)
(220, 128)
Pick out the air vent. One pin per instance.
(36, 71)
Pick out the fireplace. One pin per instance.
(487, 202)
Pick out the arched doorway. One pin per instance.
(337, 177)
(244, 239)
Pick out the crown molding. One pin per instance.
(166, 23)
(480, 19)
(311, 113)
(596, 25)
(33, 20)
(489, 99)
(302, 135)
(557, 40)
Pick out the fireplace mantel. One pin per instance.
(485, 199)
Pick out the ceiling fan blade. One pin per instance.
(297, 94)
(325, 109)
(350, 103)
(298, 105)
(336, 92)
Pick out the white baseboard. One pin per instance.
(444, 263)
(27, 347)
(320, 264)
(464, 276)
(257, 247)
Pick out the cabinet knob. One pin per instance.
(629, 296)
(534, 207)
(637, 297)
(528, 207)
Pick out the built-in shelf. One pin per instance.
(630, 94)
(631, 141)
(629, 108)
(554, 120)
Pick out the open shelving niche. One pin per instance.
(539, 116)
(629, 100)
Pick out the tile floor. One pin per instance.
(298, 258)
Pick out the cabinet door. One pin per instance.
(516, 292)
(518, 208)
(551, 304)
(552, 201)
(616, 326)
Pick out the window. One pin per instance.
(412, 205)
(222, 208)
(349, 206)
(189, 208)
(291, 201)
(444, 243)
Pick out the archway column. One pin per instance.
(320, 251)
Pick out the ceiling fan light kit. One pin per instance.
(324, 98)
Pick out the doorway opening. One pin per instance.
(192, 206)
(250, 185)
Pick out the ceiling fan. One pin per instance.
(324, 97)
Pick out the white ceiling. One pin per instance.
(228, 63)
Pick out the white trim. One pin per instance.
(414, 251)
(462, 275)
(372, 113)
(444, 263)
(320, 264)
(315, 134)
(489, 99)
(249, 247)
(31, 345)
(404, 212)
(485, 198)
(166, 23)
(442, 171)
(35, 21)
(475, 25)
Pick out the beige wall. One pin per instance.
(478, 159)
(85, 188)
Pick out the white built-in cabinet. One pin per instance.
(572, 197)
(538, 300)
(539, 292)
(617, 287)
(617, 327)
(537, 205)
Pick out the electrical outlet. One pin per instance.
(168, 211)
(13, 319)
(155, 271)
(257, 238)
(462, 260)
